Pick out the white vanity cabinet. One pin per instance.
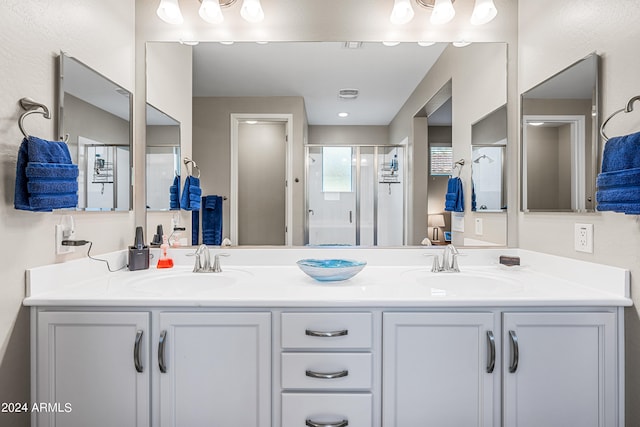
(214, 369)
(92, 369)
(440, 369)
(560, 369)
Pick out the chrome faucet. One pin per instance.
(449, 262)
(203, 261)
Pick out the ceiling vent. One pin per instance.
(348, 93)
(352, 45)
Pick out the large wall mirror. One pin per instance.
(302, 87)
(560, 140)
(95, 120)
(162, 157)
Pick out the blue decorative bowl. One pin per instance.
(331, 270)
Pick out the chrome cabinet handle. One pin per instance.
(326, 334)
(492, 352)
(343, 423)
(515, 352)
(161, 345)
(136, 352)
(327, 376)
(350, 217)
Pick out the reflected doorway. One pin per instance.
(355, 195)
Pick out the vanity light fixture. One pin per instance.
(426, 44)
(390, 43)
(535, 123)
(252, 11)
(402, 12)
(251, 122)
(210, 11)
(443, 12)
(461, 43)
(483, 12)
(169, 12)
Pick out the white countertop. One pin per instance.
(259, 277)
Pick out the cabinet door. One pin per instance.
(438, 369)
(215, 369)
(560, 369)
(92, 369)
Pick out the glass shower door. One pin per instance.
(331, 199)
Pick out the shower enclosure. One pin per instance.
(355, 195)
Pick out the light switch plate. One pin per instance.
(583, 235)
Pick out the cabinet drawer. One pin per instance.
(326, 371)
(326, 330)
(354, 409)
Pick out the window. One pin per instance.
(441, 159)
(336, 169)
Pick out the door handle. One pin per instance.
(136, 352)
(515, 352)
(311, 212)
(492, 352)
(162, 364)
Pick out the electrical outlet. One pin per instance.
(60, 249)
(479, 226)
(583, 235)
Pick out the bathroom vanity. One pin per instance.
(262, 344)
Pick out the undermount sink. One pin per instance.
(462, 284)
(176, 283)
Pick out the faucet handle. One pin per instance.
(216, 262)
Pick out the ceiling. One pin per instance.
(385, 76)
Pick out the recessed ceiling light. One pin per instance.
(535, 123)
(390, 43)
(251, 122)
(343, 114)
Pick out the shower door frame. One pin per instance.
(376, 184)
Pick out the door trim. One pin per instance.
(233, 202)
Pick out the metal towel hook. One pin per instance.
(459, 164)
(195, 166)
(627, 109)
(31, 107)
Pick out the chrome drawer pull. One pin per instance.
(328, 376)
(326, 334)
(515, 352)
(492, 352)
(136, 352)
(161, 344)
(343, 423)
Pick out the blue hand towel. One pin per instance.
(45, 177)
(191, 185)
(195, 227)
(454, 199)
(473, 196)
(619, 182)
(621, 153)
(212, 220)
(174, 194)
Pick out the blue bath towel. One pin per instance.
(454, 199)
(45, 177)
(174, 194)
(191, 186)
(473, 196)
(195, 228)
(212, 220)
(619, 182)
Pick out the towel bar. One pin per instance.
(195, 166)
(627, 109)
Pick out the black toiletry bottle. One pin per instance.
(138, 253)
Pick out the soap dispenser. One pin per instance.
(164, 261)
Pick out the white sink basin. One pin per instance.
(463, 284)
(178, 283)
